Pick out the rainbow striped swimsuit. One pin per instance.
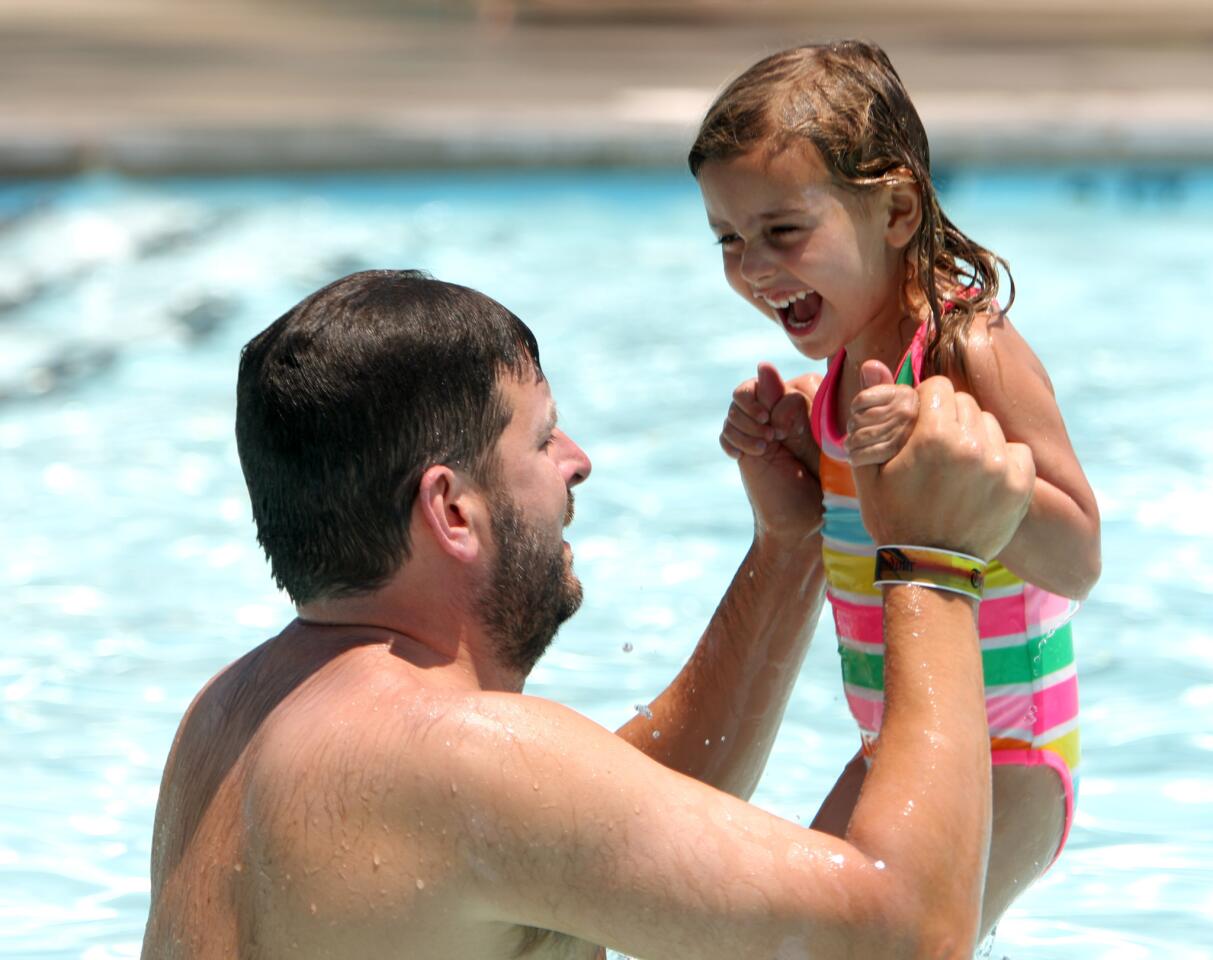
(1026, 641)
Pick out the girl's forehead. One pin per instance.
(764, 181)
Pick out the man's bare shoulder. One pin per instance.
(394, 786)
(374, 713)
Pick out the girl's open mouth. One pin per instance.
(800, 316)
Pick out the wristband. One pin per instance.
(930, 567)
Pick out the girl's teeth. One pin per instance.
(784, 304)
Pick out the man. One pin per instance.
(372, 782)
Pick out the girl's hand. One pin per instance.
(882, 418)
(767, 432)
(766, 412)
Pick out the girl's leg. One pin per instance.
(835, 812)
(1029, 817)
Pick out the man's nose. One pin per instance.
(577, 462)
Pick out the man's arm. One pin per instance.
(718, 719)
(563, 826)
(569, 829)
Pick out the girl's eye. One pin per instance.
(729, 241)
(785, 232)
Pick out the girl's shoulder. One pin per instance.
(994, 349)
(999, 367)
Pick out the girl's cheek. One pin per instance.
(732, 273)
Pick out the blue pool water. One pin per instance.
(130, 574)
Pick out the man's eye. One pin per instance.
(785, 231)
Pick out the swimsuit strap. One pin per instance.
(906, 374)
(910, 372)
(821, 418)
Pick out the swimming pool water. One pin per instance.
(130, 572)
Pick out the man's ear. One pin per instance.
(453, 511)
(903, 208)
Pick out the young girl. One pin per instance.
(815, 172)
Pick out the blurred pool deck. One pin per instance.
(173, 86)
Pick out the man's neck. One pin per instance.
(435, 633)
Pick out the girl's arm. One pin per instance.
(1057, 544)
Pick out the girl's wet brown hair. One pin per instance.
(846, 99)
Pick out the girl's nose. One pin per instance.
(756, 265)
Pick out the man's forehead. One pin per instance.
(531, 401)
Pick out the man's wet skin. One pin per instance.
(270, 848)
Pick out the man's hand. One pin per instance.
(882, 416)
(957, 483)
(767, 432)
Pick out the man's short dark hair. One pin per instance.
(343, 403)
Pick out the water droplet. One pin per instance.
(636, 808)
(239, 868)
(723, 738)
(879, 864)
(420, 884)
(656, 734)
(838, 859)
(628, 648)
(644, 711)
(535, 785)
(454, 789)
(707, 743)
(375, 861)
(312, 909)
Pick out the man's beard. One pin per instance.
(531, 589)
